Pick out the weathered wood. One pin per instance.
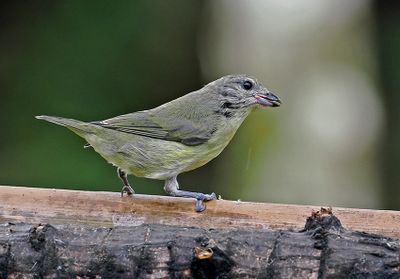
(108, 209)
(100, 235)
(322, 250)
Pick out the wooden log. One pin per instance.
(47, 233)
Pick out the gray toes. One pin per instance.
(210, 197)
(199, 206)
(204, 197)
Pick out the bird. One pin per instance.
(175, 137)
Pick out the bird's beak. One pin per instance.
(267, 99)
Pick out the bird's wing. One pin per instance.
(151, 124)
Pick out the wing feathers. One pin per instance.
(146, 124)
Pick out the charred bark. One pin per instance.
(323, 249)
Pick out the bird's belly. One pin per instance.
(173, 159)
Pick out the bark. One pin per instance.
(323, 249)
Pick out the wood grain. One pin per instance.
(108, 209)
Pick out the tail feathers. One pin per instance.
(69, 123)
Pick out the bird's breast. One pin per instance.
(204, 153)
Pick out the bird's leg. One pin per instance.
(172, 188)
(126, 188)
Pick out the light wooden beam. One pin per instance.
(55, 206)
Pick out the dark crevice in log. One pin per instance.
(270, 270)
(320, 227)
(6, 262)
(218, 266)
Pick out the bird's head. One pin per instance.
(242, 91)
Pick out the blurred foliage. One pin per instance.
(86, 60)
(388, 48)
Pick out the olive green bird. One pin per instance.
(176, 137)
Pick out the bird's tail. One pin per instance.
(79, 127)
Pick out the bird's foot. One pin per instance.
(172, 188)
(199, 207)
(128, 190)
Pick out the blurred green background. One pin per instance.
(335, 64)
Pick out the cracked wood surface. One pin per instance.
(108, 209)
(100, 235)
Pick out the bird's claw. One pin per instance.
(199, 207)
(128, 190)
(210, 197)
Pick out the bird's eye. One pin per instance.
(247, 85)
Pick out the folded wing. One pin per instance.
(150, 124)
